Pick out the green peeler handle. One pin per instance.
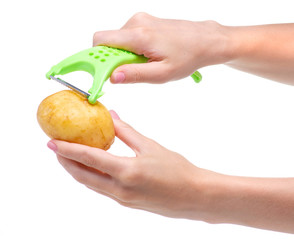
(100, 61)
(197, 77)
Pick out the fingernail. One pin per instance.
(114, 115)
(51, 145)
(119, 77)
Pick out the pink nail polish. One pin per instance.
(51, 145)
(119, 77)
(114, 115)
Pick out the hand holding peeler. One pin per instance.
(99, 61)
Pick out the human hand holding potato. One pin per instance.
(156, 180)
(163, 182)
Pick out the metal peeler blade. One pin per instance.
(72, 87)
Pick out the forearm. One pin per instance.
(266, 51)
(266, 203)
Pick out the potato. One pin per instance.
(68, 116)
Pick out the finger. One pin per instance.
(129, 39)
(129, 135)
(87, 176)
(94, 180)
(151, 72)
(89, 156)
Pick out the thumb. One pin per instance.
(151, 72)
(128, 135)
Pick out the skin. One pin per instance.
(164, 182)
(176, 48)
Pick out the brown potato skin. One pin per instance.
(68, 116)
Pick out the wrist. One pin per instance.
(225, 44)
(218, 43)
(208, 189)
(233, 43)
(215, 188)
(218, 192)
(243, 42)
(217, 196)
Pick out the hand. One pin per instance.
(156, 180)
(164, 182)
(176, 48)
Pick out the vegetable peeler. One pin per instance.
(99, 61)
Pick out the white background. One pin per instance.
(232, 122)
